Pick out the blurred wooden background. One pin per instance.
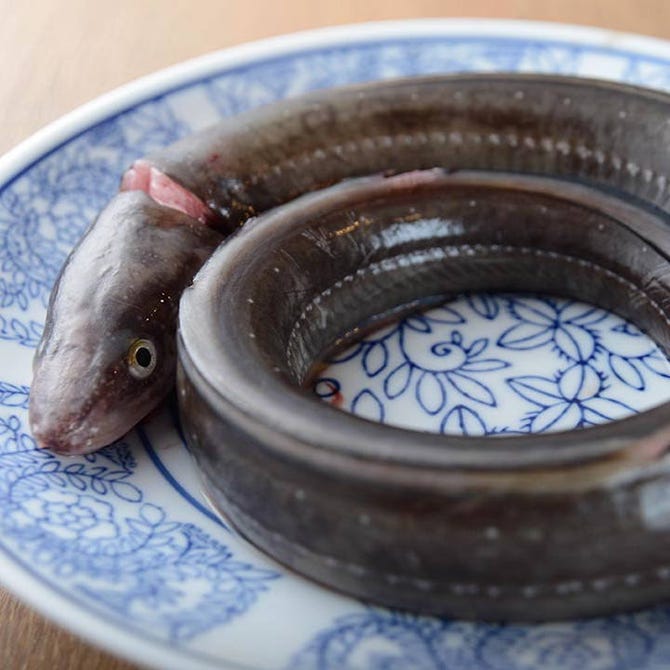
(58, 54)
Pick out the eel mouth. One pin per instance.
(71, 434)
(142, 176)
(83, 430)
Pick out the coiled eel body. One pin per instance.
(534, 527)
(513, 182)
(122, 283)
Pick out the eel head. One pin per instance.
(108, 353)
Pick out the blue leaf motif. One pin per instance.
(447, 315)
(126, 491)
(418, 323)
(538, 390)
(526, 336)
(99, 486)
(27, 335)
(461, 420)
(477, 347)
(50, 466)
(398, 380)
(622, 343)
(583, 315)
(375, 358)
(576, 343)
(484, 304)
(471, 388)
(579, 382)
(533, 310)
(78, 482)
(20, 329)
(626, 372)
(657, 364)
(13, 395)
(366, 404)
(74, 468)
(430, 393)
(571, 383)
(561, 416)
(602, 409)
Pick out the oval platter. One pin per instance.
(121, 547)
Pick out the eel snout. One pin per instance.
(65, 416)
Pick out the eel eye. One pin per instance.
(141, 358)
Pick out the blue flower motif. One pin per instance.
(85, 521)
(421, 357)
(440, 367)
(67, 516)
(200, 584)
(566, 325)
(575, 398)
(486, 305)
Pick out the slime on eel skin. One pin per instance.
(107, 356)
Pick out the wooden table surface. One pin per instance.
(58, 54)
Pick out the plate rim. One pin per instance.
(119, 99)
(43, 597)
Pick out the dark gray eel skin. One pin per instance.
(512, 182)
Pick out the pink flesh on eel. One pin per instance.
(142, 176)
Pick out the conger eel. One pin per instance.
(512, 182)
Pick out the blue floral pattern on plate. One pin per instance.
(376, 639)
(499, 364)
(116, 533)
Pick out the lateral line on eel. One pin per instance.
(142, 176)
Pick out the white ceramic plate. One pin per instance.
(121, 548)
